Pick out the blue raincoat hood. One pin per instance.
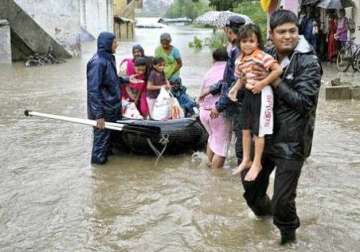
(104, 42)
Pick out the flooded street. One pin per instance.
(52, 199)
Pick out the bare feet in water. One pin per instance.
(253, 172)
(242, 166)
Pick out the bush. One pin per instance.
(187, 8)
(196, 43)
(217, 40)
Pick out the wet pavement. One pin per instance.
(52, 199)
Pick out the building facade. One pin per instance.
(124, 18)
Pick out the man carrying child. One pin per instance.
(295, 101)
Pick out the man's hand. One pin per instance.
(276, 83)
(259, 71)
(214, 113)
(203, 95)
(100, 123)
(256, 89)
(249, 86)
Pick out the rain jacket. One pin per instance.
(222, 87)
(295, 100)
(103, 83)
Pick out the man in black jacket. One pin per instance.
(295, 97)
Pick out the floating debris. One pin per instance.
(40, 60)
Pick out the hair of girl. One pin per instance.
(142, 61)
(157, 60)
(250, 29)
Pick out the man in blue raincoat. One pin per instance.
(103, 94)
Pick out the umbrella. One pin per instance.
(218, 18)
(335, 4)
(308, 2)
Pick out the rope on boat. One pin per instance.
(164, 140)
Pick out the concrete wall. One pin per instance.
(63, 19)
(356, 15)
(62, 23)
(5, 42)
(96, 16)
(60, 19)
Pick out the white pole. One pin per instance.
(108, 125)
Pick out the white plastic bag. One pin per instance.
(131, 111)
(162, 106)
(176, 111)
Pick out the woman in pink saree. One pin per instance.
(219, 129)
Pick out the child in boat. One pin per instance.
(155, 81)
(136, 90)
(257, 104)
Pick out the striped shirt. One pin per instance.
(244, 64)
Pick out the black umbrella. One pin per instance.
(309, 2)
(335, 4)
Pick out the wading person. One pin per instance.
(224, 104)
(103, 94)
(295, 101)
(219, 129)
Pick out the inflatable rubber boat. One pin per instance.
(175, 136)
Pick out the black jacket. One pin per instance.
(103, 83)
(295, 101)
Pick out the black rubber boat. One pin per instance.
(176, 136)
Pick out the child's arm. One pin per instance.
(240, 83)
(275, 73)
(168, 85)
(150, 86)
(235, 89)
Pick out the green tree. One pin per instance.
(223, 5)
(253, 10)
(187, 8)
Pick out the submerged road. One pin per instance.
(52, 199)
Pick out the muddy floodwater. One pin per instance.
(52, 199)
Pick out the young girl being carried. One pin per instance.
(155, 82)
(257, 104)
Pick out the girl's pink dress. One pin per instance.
(219, 129)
